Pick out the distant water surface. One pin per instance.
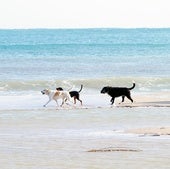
(36, 58)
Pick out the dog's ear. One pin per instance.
(59, 88)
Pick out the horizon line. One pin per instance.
(46, 28)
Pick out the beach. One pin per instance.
(128, 135)
(85, 138)
(97, 134)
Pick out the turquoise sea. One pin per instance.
(33, 136)
(39, 57)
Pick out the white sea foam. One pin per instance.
(37, 100)
(142, 84)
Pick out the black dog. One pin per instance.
(74, 94)
(117, 92)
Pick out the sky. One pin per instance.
(84, 14)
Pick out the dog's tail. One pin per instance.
(80, 88)
(132, 86)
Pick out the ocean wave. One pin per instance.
(143, 84)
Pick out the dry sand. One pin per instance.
(151, 131)
(144, 100)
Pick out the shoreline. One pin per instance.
(93, 101)
(146, 104)
(90, 107)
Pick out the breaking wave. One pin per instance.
(145, 84)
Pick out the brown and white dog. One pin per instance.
(55, 95)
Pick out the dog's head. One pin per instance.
(59, 88)
(45, 91)
(105, 89)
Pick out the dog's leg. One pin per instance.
(129, 97)
(63, 101)
(79, 99)
(57, 103)
(112, 100)
(80, 102)
(113, 104)
(123, 98)
(74, 100)
(67, 102)
(47, 103)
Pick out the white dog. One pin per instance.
(55, 95)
